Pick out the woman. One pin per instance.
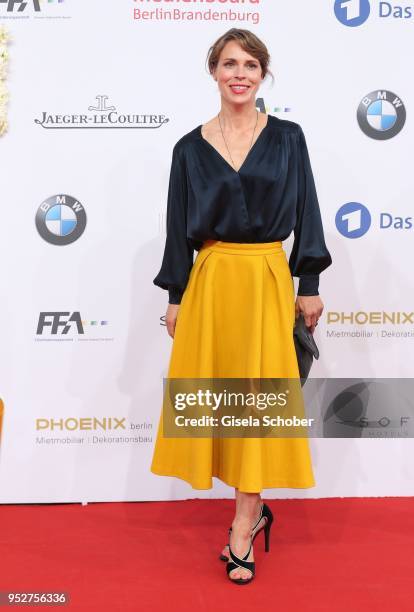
(239, 185)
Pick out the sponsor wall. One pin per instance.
(99, 94)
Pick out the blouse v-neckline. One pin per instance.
(266, 126)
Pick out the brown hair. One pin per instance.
(248, 41)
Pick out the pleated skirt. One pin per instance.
(236, 320)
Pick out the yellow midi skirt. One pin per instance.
(236, 320)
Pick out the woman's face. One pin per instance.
(238, 74)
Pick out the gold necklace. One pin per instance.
(251, 144)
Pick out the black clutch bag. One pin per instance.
(305, 346)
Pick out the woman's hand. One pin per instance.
(311, 306)
(171, 318)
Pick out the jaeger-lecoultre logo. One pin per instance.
(101, 116)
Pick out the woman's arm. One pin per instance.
(178, 252)
(309, 255)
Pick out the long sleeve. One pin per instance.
(178, 252)
(309, 255)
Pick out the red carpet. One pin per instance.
(330, 554)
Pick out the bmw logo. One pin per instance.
(381, 114)
(60, 219)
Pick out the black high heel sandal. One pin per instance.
(234, 562)
(265, 512)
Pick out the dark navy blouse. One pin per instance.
(271, 194)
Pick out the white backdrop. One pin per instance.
(64, 56)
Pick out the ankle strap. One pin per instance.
(260, 517)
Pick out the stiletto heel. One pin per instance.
(267, 536)
(268, 515)
(265, 512)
